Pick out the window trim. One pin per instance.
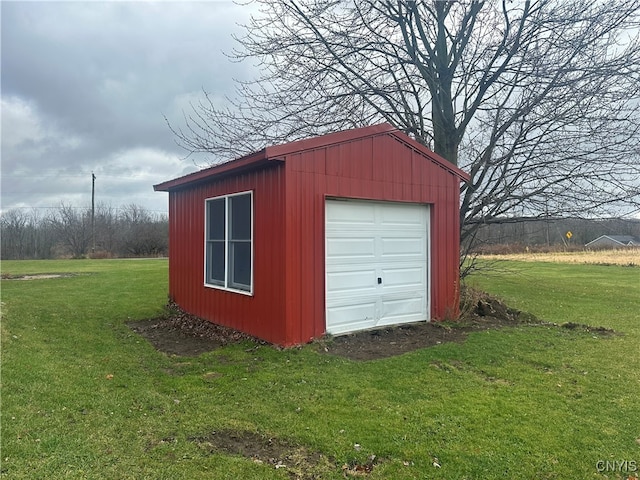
(227, 241)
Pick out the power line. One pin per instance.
(55, 175)
(123, 208)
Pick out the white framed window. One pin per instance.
(228, 256)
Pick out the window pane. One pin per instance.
(216, 218)
(215, 262)
(240, 265)
(228, 255)
(240, 213)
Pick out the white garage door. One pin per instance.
(376, 264)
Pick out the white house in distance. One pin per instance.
(613, 241)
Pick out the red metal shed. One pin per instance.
(333, 234)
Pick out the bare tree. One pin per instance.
(141, 233)
(25, 234)
(106, 228)
(72, 227)
(538, 100)
(14, 225)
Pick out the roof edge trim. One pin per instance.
(438, 159)
(239, 164)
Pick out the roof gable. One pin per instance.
(278, 153)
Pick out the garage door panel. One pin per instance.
(356, 214)
(403, 277)
(350, 282)
(356, 247)
(408, 215)
(402, 247)
(395, 312)
(402, 306)
(376, 264)
(349, 318)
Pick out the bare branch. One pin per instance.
(538, 100)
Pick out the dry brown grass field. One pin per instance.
(625, 256)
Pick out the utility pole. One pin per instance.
(93, 213)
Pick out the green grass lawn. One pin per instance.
(84, 397)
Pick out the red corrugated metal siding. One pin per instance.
(263, 313)
(288, 305)
(445, 249)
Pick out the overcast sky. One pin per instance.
(85, 86)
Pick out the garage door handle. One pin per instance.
(379, 280)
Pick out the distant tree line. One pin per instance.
(68, 231)
(541, 232)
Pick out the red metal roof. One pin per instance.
(278, 153)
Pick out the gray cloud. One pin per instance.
(85, 86)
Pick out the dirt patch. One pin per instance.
(299, 462)
(179, 333)
(41, 276)
(479, 312)
(602, 331)
(388, 342)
